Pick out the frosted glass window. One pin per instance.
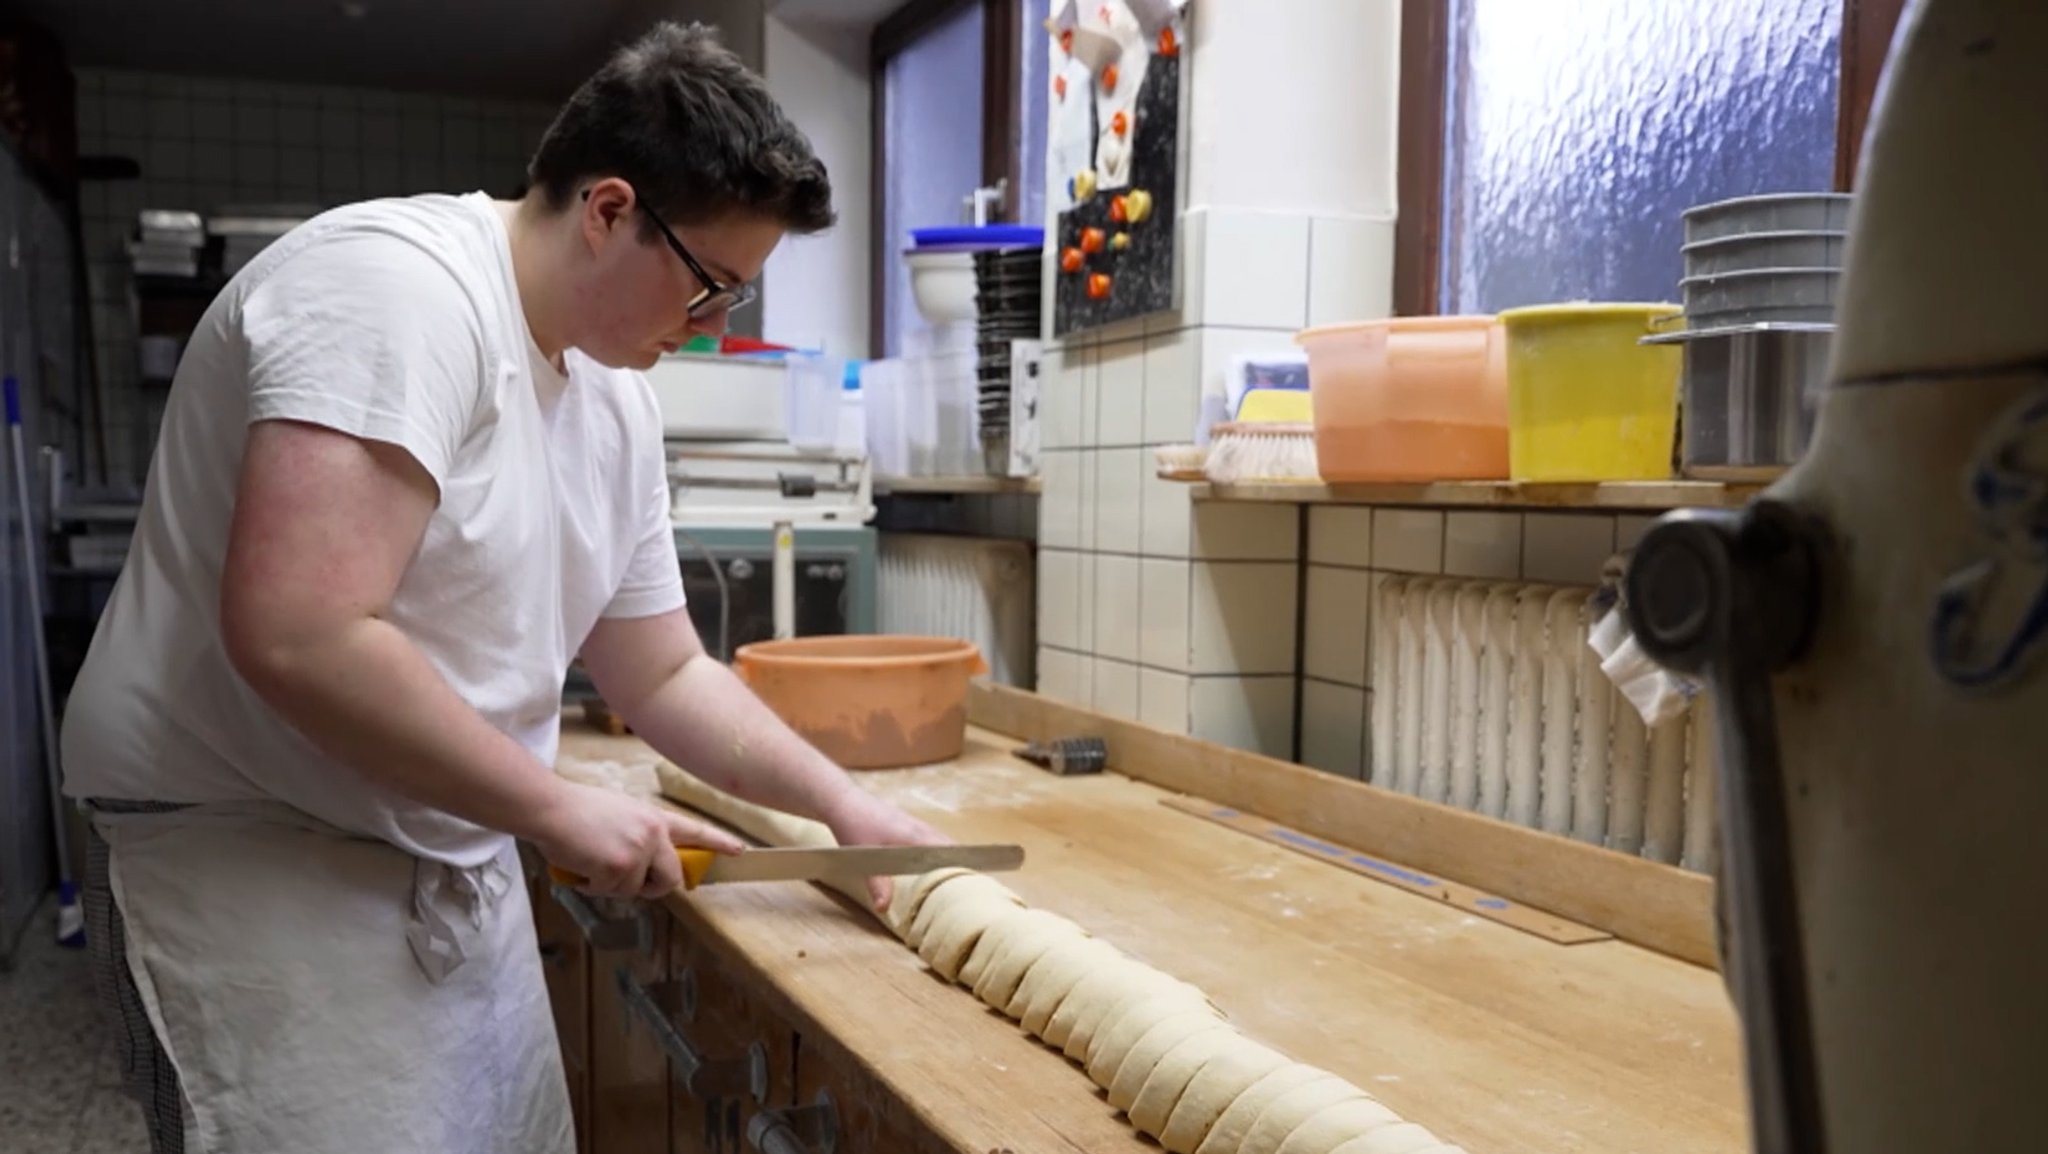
(1577, 131)
(931, 150)
(1033, 99)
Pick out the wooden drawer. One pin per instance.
(629, 1084)
(565, 964)
(745, 1053)
(835, 1097)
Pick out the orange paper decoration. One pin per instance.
(1091, 240)
(1059, 87)
(1169, 45)
(1067, 41)
(1098, 285)
(1070, 260)
(1120, 124)
(1109, 79)
(1117, 211)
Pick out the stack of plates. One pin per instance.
(1007, 283)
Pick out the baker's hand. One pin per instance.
(860, 818)
(620, 845)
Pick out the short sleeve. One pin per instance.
(370, 335)
(653, 583)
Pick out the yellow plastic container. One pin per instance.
(1587, 401)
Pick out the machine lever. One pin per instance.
(1732, 596)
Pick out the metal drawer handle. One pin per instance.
(746, 1075)
(812, 1129)
(628, 933)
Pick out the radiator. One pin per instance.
(1487, 697)
(979, 589)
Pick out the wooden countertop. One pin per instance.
(1494, 1038)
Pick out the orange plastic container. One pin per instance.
(1409, 399)
(868, 701)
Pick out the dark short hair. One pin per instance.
(693, 130)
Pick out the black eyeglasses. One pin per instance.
(716, 296)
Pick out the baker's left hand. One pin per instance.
(860, 818)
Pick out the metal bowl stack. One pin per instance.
(1759, 289)
(1007, 295)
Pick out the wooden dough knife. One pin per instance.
(823, 863)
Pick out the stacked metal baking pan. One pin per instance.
(1007, 314)
(1759, 289)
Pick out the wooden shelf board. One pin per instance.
(1495, 494)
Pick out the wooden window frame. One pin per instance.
(1867, 28)
(1001, 132)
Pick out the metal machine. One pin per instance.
(731, 465)
(1874, 629)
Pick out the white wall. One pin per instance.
(815, 289)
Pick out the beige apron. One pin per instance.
(322, 993)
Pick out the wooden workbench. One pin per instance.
(1493, 1037)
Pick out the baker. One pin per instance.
(407, 471)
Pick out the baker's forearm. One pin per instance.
(367, 697)
(702, 717)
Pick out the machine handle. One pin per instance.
(812, 1129)
(695, 863)
(1733, 596)
(628, 933)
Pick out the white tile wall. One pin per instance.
(1408, 540)
(1255, 270)
(1483, 544)
(1059, 598)
(1116, 606)
(1120, 476)
(1168, 517)
(1252, 713)
(1347, 263)
(1061, 499)
(1164, 589)
(1067, 387)
(1335, 645)
(1065, 676)
(1116, 688)
(1340, 535)
(1120, 395)
(1243, 617)
(203, 143)
(1333, 720)
(1163, 699)
(1223, 531)
(1568, 548)
(1173, 386)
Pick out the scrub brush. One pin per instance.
(1180, 462)
(1243, 452)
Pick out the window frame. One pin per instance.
(1867, 28)
(1002, 67)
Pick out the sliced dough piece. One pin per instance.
(1398, 1138)
(1234, 1119)
(960, 925)
(1123, 1024)
(1218, 1086)
(944, 896)
(1288, 1111)
(1098, 1008)
(1119, 977)
(1113, 1047)
(1137, 1065)
(1167, 1081)
(1001, 930)
(911, 893)
(1022, 947)
(1048, 982)
(1346, 1122)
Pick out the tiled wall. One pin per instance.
(1350, 549)
(1151, 606)
(203, 143)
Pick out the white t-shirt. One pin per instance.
(396, 321)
